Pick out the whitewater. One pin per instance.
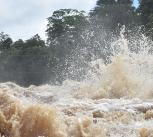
(115, 99)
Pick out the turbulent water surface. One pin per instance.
(116, 100)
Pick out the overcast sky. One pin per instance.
(25, 18)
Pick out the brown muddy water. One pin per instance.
(115, 101)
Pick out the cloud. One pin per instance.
(25, 18)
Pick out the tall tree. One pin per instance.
(146, 13)
(64, 31)
(65, 22)
(112, 13)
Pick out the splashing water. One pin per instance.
(115, 99)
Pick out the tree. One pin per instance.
(35, 41)
(28, 62)
(64, 31)
(146, 13)
(65, 22)
(32, 61)
(112, 13)
(18, 44)
(5, 41)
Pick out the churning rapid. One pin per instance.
(115, 100)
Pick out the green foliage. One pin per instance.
(64, 31)
(64, 22)
(112, 13)
(73, 39)
(146, 13)
(35, 41)
(26, 63)
(5, 41)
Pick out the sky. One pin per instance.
(25, 18)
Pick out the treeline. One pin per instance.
(73, 38)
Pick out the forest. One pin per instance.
(73, 38)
